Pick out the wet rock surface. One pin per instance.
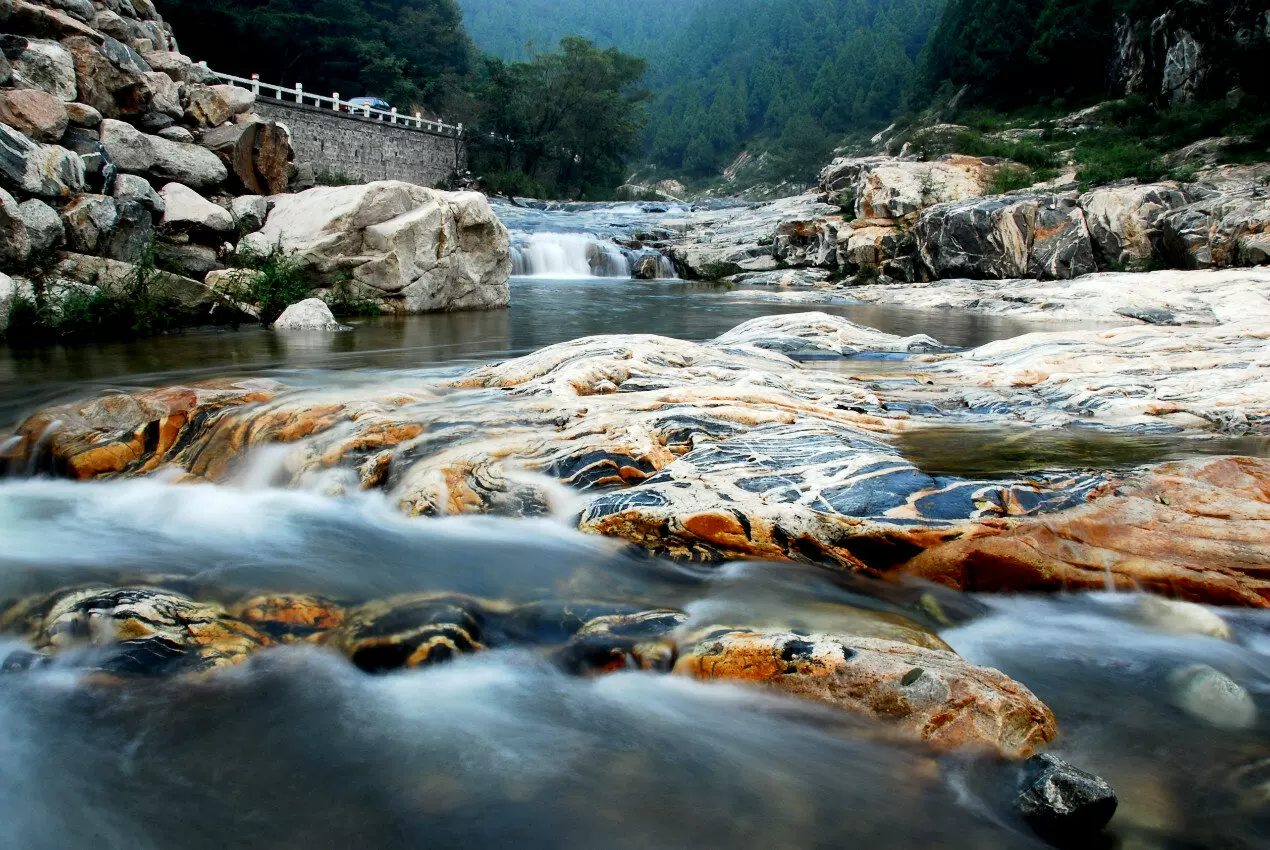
(1062, 801)
(731, 449)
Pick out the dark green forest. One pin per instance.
(410, 52)
(508, 28)
(798, 72)
(565, 96)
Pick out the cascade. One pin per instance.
(567, 255)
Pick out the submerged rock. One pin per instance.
(409, 632)
(1062, 801)
(291, 617)
(1212, 697)
(728, 449)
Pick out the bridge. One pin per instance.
(357, 144)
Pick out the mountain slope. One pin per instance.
(805, 71)
(505, 28)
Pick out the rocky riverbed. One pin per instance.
(495, 525)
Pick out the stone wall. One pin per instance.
(364, 149)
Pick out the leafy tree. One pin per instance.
(569, 118)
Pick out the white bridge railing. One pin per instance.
(335, 103)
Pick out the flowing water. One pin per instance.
(299, 749)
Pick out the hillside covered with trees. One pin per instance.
(508, 28)
(800, 73)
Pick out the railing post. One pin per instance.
(419, 120)
(255, 84)
(299, 93)
(394, 115)
(336, 97)
(459, 130)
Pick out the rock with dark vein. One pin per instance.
(133, 631)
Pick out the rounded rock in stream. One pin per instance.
(935, 695)
(411, 631)
(1212, 697)
(624, 641)
(134, 631)
(291, 617)
(1062, 801)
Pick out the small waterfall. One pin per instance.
(566, 255)
(651, 264)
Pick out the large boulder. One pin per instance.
(90, 221)
(414, 249)
(1124, 221)
(133, 234)
(134, 152)
(179, 67)
(44, 22)
(207, 106)
(130, 187)
(1037, 236)
(113, 276)
(43, 226)
(163, 94)
(34, 113)
(83, 115)
(188, 259)
(186, 211)
(111, 75)
(718, 242)
(12, 289)
(258, 154)
(867, 248)
(249, 212)
(15, 244)
(50, 172)
(48, 67)
(1220, 231)
(884, 188)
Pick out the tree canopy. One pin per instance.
(406, 51)
(513, 30)
(569, 118)
(799, 70)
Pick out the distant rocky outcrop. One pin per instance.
(893, 219)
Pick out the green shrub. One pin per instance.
(345, 303)
(1101, 160)
(1010, 178)
(334, 177)
(277, 282)
(138, 305)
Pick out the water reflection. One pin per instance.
(975, 451)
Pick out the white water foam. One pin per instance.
(568, 255)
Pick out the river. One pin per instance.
(298, 748)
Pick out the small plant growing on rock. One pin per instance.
(346, 303)
(275, 282)
(137, 304)
(1010, 178)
